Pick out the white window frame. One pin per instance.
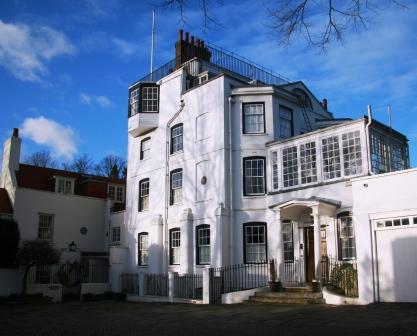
(248, 188)
(145, 149)
(203, 244)
(46, 226)
(308, 163)
(275, 170)
(115, 193)
(177, 139)
(174, 246)
(346, 234)
(288, 241)
(334, 168)
(176, 187)
(64, 185)
(144, 190)
(253, 118)
(150, 99)
(143, 249)
(355, 166)
(290, 174)
(115, 234)
(134, 101)
(256, 247)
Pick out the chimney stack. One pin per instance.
(15, 132)
(186, 49)
(324, 104)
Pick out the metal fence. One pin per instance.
(236, 278)
(293, 272)
(69, 274)
(155, 284)
(340, 276)
(188, 286)
(224, 60)
(130, 283)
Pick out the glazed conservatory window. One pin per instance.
(255, 243)
(253, 118)
(176, 138)
(331, 158)
(290, 166)
(288, 241)
(203, 244)
(285, 122)
(352, 157)
(150, 99)
(145, 148)
(144, 194)
(275, 170)
(174, 246)
(379, 153)
(254, 176)
(308, 163)
(176, 187)
(398, 157)
(134, 102)
(46, 226)
(347, 238)
(143, 249)
(65, 186)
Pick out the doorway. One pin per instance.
(309, 253)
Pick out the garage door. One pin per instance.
(396, 245)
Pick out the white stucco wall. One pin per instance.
(378, 197)
(71, 212)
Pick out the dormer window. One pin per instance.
(115, 193)
(64, 185)
(150, 99)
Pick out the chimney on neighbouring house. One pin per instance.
(324, 104)
(11, 158)
(186, 49)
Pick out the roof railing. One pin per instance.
(224, 60)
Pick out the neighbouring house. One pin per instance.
(229, 164)
(81, 214)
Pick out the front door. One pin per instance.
(309, 253)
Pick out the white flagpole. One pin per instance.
(152, 41)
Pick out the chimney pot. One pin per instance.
(187, 34)
(202, 44)
(192, 39)
(180, 35)
(324, 104)
(15, 132)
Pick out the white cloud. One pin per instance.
(88, 99)
(85, 98)
(103, 101)
(59, 138)
(124, 47)
(25, 50)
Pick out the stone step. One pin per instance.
(296, 295)
(296, 289)
(285, 300)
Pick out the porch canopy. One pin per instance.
(295, 210)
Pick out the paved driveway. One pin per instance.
(122, 318)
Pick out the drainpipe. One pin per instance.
(231, 224)
(368, 148)
(167, 194)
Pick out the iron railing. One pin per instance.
(340, 276)
(188, 286)
(130, 283)
(69, 274)
(227, 61)
(293, 272)
(156, 284)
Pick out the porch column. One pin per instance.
(317, 242)
(279, 244)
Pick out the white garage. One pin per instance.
(396, 259)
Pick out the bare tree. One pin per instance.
(112, 166)
(292, 19)
(82, 164)
(41, 158)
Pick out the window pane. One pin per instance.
(150, 99)
(253, 118)
(275, 170)
(45, 226)
(255, 239)
(287, 234)
(379, 153)
(143, 249)
(176, 187)
(308, 163)
(254, 172)
(175, 247)
(176, 139)
(347, 238)
(289, 167)
(351, 144)
(203, 245)
(285, 122)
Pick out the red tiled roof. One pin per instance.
(5, 204)
(42, 178)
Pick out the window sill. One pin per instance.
(203, 266)
(176, 153)
(253, 196)
(142, 266)
(175, 205)
(144, 210)
(255, 134)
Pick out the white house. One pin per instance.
(80, 214)
(229, 164)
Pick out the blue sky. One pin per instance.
(65, 66)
